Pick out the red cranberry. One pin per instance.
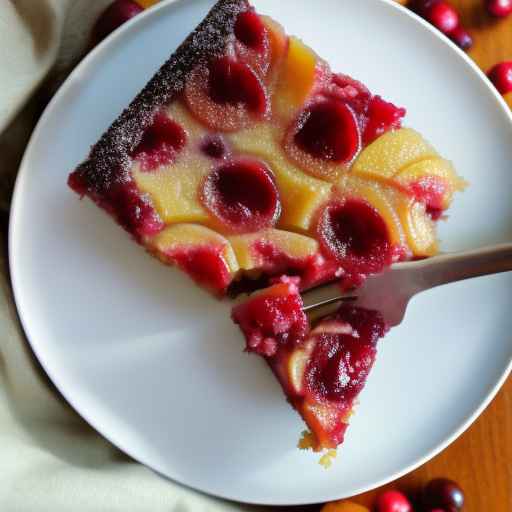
(328, 130)
(444, 494)
(340, 363)
(160, 143)
(501, 76)
(242, 195)
(117, 13)
(205, 265)
(499, 8)
(250, 30)
(213, 147)
(392, 501)
(421, 6)
(354, 233)
(234, 82)
(443, 16)
(382, 117)
(462, 38)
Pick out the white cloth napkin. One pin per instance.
(50, 459)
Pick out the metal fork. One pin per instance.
(391, 291)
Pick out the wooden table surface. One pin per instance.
(481, 459)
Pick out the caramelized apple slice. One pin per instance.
(391, 153)
(301, 194)
(278, 42)
(242, 196)
(200, 252)
(419, 227)
(325, 139)
(273, 249)
(296, 81)
(227, 94)
(432, 181)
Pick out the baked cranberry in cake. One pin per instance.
(242, 195)
(323, 370)
(247, 162)
(273, 317)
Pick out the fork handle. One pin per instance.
(447, 268)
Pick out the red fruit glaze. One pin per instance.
(205, 265)
(117, 13)
(235, 83)
(250, 30)
(273, 318)
(125, 203)
(499, 8)
(340, 363)
(443, 16)
(501, 76)
(242, 195)
(462, 38)
(328, 130)
(392, 501)
(430, 190)
(382, 117)
(353, 232)
(160, 143)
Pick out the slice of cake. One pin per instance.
(247, 161)
(246, 157)
(321, 370)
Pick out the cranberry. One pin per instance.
(213, 147)
(462, 38)
(273, 318)
(250, 30)
(160, 143)
(242, 195)
(501, 76)
(328, 130)
(205, 265)
(234, 82)
(117, 13)
(443, 16)
(444, 494)
(355, 234)
(382, 117)
(499, 8)
(340, 363)
(421, 6)
(392, 501)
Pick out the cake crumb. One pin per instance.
(327, 458)
(307, 441)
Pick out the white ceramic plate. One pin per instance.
(156, 366)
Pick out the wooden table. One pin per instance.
(480, 460)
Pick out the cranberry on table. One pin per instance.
(501, 76)
(443, 16)
(462, 38)
(443, 494)
(117, 13)
(392, 501)
(499, 8)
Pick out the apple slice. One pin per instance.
(391, 153)
(301, 194)
(432, 181)
(296, 80)
(266, 248)
(297, 363)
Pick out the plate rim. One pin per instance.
(16, 201)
